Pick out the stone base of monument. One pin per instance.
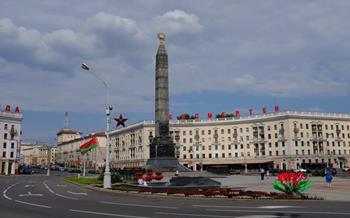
(165, 164)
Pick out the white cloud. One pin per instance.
(177, 22)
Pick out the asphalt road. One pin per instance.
(39, 196)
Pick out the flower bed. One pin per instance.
(213, 192)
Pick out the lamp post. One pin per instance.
(107, 173)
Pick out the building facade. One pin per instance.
(68, 149)
(280, 140)
(10, 139)
(38, 154)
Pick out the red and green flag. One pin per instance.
(87, 146)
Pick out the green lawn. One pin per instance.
(84, 181)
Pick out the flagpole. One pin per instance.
(84, 165)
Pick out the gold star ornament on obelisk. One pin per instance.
(161, 37)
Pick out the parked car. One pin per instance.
(25, 169)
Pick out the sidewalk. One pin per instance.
(340, 190)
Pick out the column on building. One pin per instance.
(6, 167)
(13, 167)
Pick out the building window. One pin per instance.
(184, 148)
(4, 154)
(216, 147)
(228, 131)
(223, 155)
(284, 152)
(247, 129)
(190, 140)
(209, 132)
(247, 138)
(270, 153)
(275, 127)
(236, 154)
(12, 145)
(276, 153)
(276, 144)
(216, 155)
(5, 145)
(248, 146)
(223, 147)
(307, 126)
(184, 156)
(296, 152)
(248, 154)
(241, 146)
(5, 126)
(197, 156)
(184, 140)
(209, 147)
(5, 136)
(11, 154)
(190, 132)
(269, 136)
(210, 155)
(301, 126)
(203, 155)
(276, 136)
(184, 133)
(222, 131)
(240, 130)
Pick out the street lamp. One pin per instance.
(107, 173)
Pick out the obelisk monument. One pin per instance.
(162, 148)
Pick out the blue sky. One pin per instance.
(223, 56)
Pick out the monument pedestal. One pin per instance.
(165, 164)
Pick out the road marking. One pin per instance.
(106, 214)
(30, 194)
(50, 190)
(277, 207)
(260, 216)
(67, 197)
(32, 204)
(8, 188)
(138, 205)
(281, 211)
(27, 186)
(194, 215)
(77, 193)
(243, 207)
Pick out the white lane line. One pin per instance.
(259, 216)
(67, 197)
(277, 207)
(192, 214)
(8, 188)
(30, 194)
(32, 204)
(48, 188)
(138, 205)
(244, 207)
(59, 195)
(27, 186)
(282, 211)
(106, 214)
(76, 193)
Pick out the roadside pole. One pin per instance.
(84, 165)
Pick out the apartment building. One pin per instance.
(283, 140)
(38, 154)
(10, 139)
(68, 149)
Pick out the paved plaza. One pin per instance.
(340, 190)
